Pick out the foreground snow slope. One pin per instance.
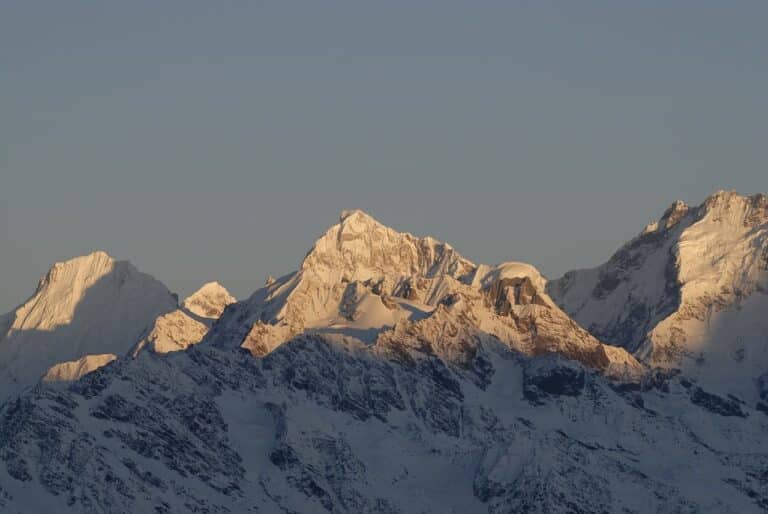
(689, 292)
(87, 305)
(326, 423)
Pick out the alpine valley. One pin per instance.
(389, 374)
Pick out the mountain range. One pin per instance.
(390, 374)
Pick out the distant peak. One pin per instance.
(91, 265)
(722, 197)
(357, 218)
(210, 287)
(96, 256)
(209, 301)
(736, 208)
(348, 213)
(361, 246)
(355, 229)
(723, 193)
(100, 254)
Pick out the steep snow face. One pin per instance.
(180, 329)
(367, 281)
(360, 248)
(620, 301)
(689, 292)
(75, 370)
(87, 305)
(361, 251)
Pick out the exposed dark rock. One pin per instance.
(762, 386)
(552, 376)
(716, 404)
(506, 292)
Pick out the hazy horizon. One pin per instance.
(204, 143)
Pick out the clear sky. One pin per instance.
(216, 140)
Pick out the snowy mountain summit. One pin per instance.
(90, 310)
(388, 374)
(689, 292)
(87, 305)
(366, 281)
(188, 324)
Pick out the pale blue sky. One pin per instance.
(217, 140)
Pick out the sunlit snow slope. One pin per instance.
(689, 292)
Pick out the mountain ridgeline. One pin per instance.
(389, 374)
(688, 293)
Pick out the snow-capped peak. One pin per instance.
(186, 326)
(209, 301)
(687, 292)
(87, 305)
(731, 208)
(348, 213)
(363, 280)
(357, 260)
(79, 271)
(64, 286)
(360, 247)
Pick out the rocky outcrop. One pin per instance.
(552, 376)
